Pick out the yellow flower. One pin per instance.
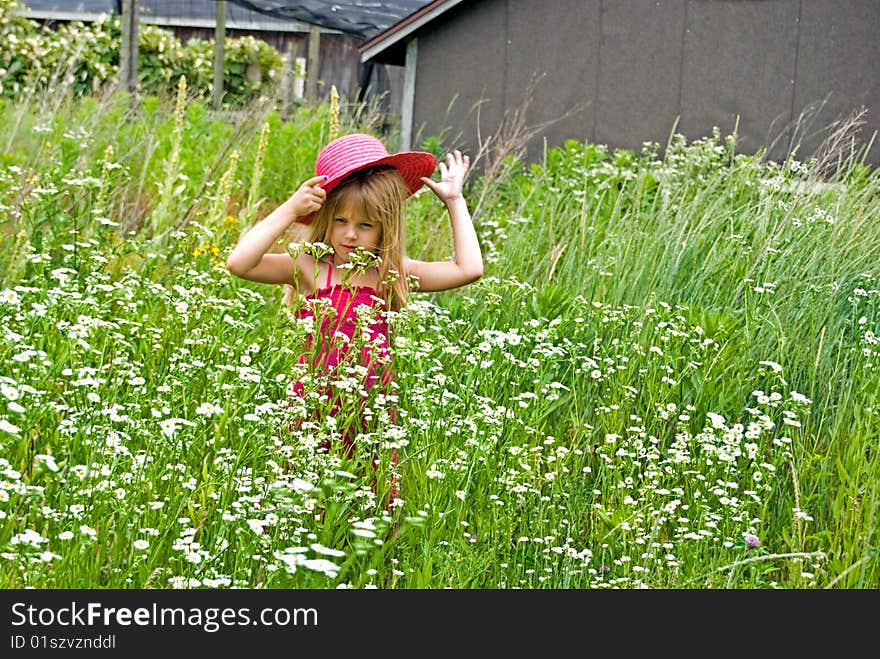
(334, 112)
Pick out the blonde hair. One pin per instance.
(382, 193)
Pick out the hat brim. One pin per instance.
(412, 165)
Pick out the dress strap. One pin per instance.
(329, 274)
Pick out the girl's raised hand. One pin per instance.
(309, 197)
(452, 174)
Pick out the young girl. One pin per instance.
(355, 206)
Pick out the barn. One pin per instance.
(783, 73)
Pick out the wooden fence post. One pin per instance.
(288, 80)
(312, 66)
(128, 53)
(219, 44)
(409, 94)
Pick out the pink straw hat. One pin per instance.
(350, 153)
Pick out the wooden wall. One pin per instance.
(623, 72)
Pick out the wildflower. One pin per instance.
(10, 393)
(326, 551)
(28, 537)
(208, 409)
(777, 368)
(300, 485)
(193, 557)
(15, 407)
(800, 514)
(9, 296)
(751, 540)
(321, 565)
(48, 460)
(12, 429)
(169, 425)
(433, 472)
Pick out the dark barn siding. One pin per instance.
(739, 59)
(460, 63)
(838, 65)
(626, 69)
(565, 92)
(639, 85)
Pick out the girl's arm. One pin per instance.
(468, 264)
(249, 259)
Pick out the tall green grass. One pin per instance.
(667, 377)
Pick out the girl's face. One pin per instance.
(352, 229)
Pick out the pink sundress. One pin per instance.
(339, 304)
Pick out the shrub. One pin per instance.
(85, 57)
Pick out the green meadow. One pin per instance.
(666, 378)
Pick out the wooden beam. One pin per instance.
(128, 53)
(287, 80)
(313, 64)
(174, 21)
(219, 44)
(409, 94)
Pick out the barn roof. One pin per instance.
(364, 18)
(361, 18)
(387, 46)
